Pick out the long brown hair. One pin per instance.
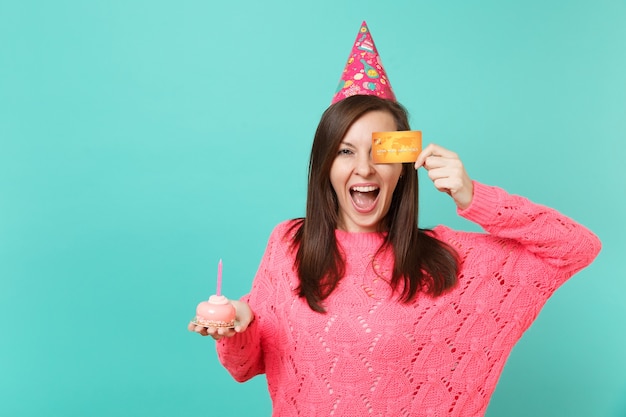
(422, 263)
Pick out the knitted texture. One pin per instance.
(371, 355)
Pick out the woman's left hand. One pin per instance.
(446, 171)
(243, 318)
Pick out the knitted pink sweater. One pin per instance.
(371, 355)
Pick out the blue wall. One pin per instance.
(142, 141)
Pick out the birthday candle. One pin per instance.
(219, 277)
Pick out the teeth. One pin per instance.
(366, 189)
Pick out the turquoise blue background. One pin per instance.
(142, 141)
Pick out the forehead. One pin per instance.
(374, 121)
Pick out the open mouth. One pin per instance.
(364, 197)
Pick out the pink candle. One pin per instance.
(219, 278)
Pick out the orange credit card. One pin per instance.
(395, 147)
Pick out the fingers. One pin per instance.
(218, 333)
(193, 327)
(446, 171)
(431, 152)
(215, 332)
(441, 164)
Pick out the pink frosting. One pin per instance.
(218, 299)
(217, 312)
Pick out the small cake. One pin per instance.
(217, 312)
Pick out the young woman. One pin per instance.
(355, 311)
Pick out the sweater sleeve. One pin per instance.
(556, 240)
(243, 354)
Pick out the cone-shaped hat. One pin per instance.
(364, 72)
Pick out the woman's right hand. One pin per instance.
(447, 173)
(243, 318)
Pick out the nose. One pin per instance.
(364, 165)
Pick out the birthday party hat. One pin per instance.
(364, 72)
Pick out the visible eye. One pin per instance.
(345, 151)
